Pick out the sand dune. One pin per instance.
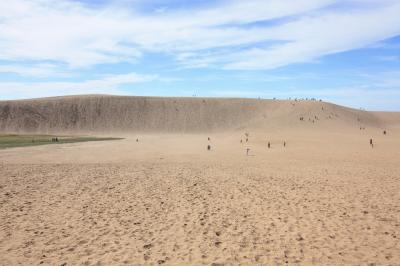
(118, 114)
(327, 198)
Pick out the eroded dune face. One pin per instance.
(122, 114)
(125, 114)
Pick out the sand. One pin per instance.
(327, 198)
(95, 114)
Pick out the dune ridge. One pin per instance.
(112, 114)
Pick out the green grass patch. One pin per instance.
(12, 141)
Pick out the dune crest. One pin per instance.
(118, 114)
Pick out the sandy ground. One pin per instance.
(325, 199)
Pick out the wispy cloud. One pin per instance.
(35, 70)
(304, 30)
(107, 84)
(389, 58)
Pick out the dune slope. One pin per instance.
(107, 114)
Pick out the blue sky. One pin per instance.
(343, 51)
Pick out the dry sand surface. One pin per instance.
(327, 198)
(167, 200)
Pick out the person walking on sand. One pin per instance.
(371, 143)
(269, 145)
(247, 151)
(284, 144)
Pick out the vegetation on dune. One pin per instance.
(13, 140)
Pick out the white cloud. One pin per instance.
(311, 37)
(218, 35)
(107, 84)
(61, 31)
(389, 58)
(37, 70)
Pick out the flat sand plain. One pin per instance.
(324, 199)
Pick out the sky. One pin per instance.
(341, 51)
